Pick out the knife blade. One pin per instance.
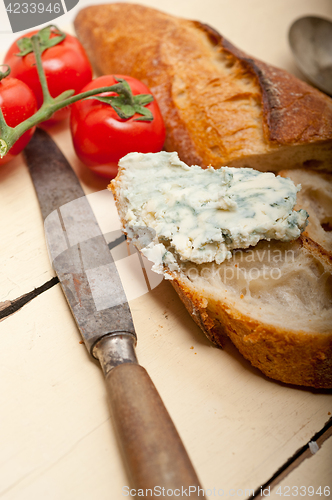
(153, 452)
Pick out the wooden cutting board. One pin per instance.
(56, 436)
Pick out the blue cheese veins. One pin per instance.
(201, 215)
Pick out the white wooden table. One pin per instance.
(56, 435)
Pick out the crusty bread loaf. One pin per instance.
(274, 300)
(220, 106)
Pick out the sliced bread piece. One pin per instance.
(273, 300)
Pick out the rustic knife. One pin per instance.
(152, 449)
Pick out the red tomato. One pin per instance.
(101, 137)
(66, 67)
(18, 103)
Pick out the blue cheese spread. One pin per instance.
(201, 215)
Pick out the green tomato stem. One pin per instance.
(3, 148)
(4, 73)
(41, 73)
(9, 135)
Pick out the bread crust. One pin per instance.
(293, 357)
(294, 111)
(220, 106)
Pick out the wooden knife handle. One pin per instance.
(152, 448)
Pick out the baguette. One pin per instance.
(220, 106)
(273, 300)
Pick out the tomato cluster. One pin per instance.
(66, 66)
(102, 128)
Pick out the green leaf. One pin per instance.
(44, 35)
(147, 115)
(124, 83)
(45, 40)
(143, 99)
(119, 100)
(124, 111)
(125, 104)
(25, 46)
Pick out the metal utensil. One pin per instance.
(152, 449)
(310, 39)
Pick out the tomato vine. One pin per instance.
(9, 135)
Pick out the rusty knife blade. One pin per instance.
(78, 250)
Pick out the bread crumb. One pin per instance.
(81, 342)
(192, 347)
(241, 296)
